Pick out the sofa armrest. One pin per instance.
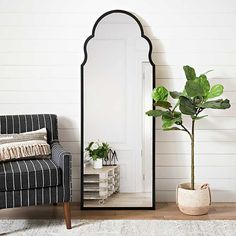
(63, 159)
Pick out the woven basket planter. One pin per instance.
(193, 202)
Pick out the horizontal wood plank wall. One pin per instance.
(41, 49)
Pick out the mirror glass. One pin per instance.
(117, 135)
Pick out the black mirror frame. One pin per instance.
(82, 115)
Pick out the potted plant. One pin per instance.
(197, 96)
(97, 151)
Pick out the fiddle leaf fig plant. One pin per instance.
(196, 96)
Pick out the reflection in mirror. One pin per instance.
(117, 136)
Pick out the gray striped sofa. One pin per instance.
(36, 181)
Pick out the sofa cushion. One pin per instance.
(31, 197)
(27, 174)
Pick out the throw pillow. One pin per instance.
(24, 145)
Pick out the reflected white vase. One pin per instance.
(97, 164)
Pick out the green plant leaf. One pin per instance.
(193, 88)
(186, 106)
(167, 124)
(89, 146)
(217, 104)
(175, 94)
(163, 104)
(198, 87)
(169, 115)
(216, 91)
(170, 118)
(204, 84)
(160, 94)
(189, 73)
(154, 113)
(199, 117)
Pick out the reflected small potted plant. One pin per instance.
(192, 198)
(97, 151)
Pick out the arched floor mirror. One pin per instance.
(117, 138)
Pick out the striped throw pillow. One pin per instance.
(24, 145)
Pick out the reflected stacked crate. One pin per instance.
(99, 184)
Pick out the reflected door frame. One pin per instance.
(146, 142)
(82, 115)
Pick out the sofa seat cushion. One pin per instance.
(28, 174)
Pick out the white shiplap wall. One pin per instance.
(41, 49)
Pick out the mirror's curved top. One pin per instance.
(127, 17)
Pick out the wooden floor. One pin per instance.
(168, 211)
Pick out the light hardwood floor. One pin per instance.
(168, 211)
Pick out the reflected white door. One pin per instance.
(113, 103)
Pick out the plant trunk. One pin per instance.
(192, 156)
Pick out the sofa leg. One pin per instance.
(67, 215)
